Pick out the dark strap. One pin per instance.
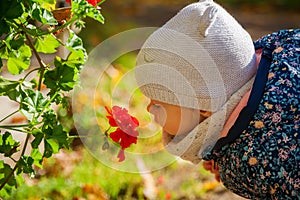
(249, 110)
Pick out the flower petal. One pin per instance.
(121, 155)
(116, 135)
(135, 121)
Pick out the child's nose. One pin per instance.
(150, 104)
(148, 107)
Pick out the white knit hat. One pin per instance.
(198, 59)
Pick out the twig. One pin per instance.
(40, 61)
(11, 114)
(16, 166)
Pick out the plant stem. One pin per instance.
(30, 73)
(18, 130)
(16, 166)
(11, 114)
(40, 61)
(14, 126)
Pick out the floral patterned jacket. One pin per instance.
(260, 157)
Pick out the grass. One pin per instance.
(77, 175)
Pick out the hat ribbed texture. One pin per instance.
(198, 59)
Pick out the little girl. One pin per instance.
(222, 99)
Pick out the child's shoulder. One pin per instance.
(276, 39)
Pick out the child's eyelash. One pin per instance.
(156, 105)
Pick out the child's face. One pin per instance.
(174, 119)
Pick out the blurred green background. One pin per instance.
(259, 17)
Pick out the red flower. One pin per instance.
(126, 133)
(119, 117)
(123, 138)
(92, 2)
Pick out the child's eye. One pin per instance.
(156, 105)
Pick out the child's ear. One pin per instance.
(205, 114)
(207, 19)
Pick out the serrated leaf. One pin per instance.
(9, 88)
(37, 157)
(16, 43)
(53, 130)
(76, 59)
(96, 15)
(8, 146)
(74, 42)
(62, 77)
(33, 104)
(83, 9)
(43, 15)
(78, 55)
(19, 60)
(46, 44)
(25, 165)
(38, 137)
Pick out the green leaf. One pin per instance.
(96, 15)
(37, 157)
(8, 146)
(83, 9)
(55, 136)
(33, 104)
(43, 15)
(48, 151)
(25, 165)
(74, 42)
(11, 9)
(18, 42)
(19, 60)
(46, 1)
(54, 145)
(78, 55)
(33, 30)
(38, 137)
(5, 171)
(47, 44)
(48, 4)
(76, 59)
(4, 50)
(9, 88)
(62, 77)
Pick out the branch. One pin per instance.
(40, 61)
(11, 114)
(16, 166)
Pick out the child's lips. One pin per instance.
(166, 137)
